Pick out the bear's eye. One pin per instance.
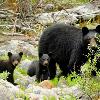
(43, 58)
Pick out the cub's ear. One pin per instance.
(98, 29)
(50, 54)
(21, 53)
(9, 54)
(85, 31)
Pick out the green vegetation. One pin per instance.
(54, 81)
(90, 86)
(4, 75)
(21, 70)
(66, 1)
(29, 57)
(1, 1)
(22, 96)
(68, 97)
(73, 79)
(49, 98)
(59, 4)
(4, 57)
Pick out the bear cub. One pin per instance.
(10, 65)
(34, 67)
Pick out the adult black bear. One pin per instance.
(68, 45)
(10, 64)
(34, 67)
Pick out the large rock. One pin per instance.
(23, 80)
(69, 16)
(59, 17)
(8, 91)
(25, 64)
(5, 94)
(17, 46)
(66, 93)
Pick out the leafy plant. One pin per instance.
(21, 70)
(4, 75)
(49, 98)
(73, 79)
(89, 84)
(54, 81)
(22, 95)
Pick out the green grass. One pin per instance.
(90, 86)
(28, 57)
(73, 79)
(4, 57)
(54, 81)
(21, 70)
(49, 98)
(73, 1)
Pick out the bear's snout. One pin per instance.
(45, 63)
(15, 63)
(93, 43)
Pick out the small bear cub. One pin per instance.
(34, 67)
(10, 65)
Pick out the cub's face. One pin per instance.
(45, 59)
(15, 58)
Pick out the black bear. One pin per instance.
(68, 45)
(10, 64)
(34, 67)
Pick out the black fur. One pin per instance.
(10, 65)
(42, 72)
(68, 45)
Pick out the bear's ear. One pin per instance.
(50, 54)
(85, 31)
(9, 54)
(98, 29)
(21, 53)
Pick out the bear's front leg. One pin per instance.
(11, 79)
